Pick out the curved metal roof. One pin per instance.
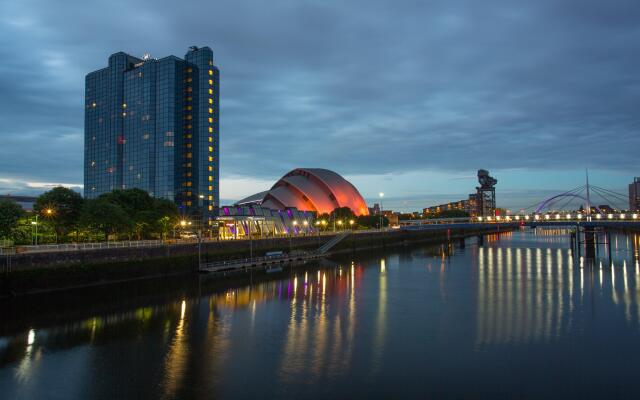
(312, 189)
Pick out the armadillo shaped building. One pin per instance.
(311, 189)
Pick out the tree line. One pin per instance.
(65, 215)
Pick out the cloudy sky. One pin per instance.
(405, 97)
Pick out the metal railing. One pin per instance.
(88, 246)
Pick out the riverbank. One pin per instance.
(41, 272)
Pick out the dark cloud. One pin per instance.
(357, 86)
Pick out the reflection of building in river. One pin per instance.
(529, 294)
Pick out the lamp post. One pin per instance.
(351, 223)
(381, 194)
(35, 224)
(340, 223)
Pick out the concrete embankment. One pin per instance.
(36, 272)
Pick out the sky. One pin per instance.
(409, 98)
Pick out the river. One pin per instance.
(512, 316)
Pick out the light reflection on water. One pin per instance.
(372, 324)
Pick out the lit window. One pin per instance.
(189, 89)
(124, 114)
(189, 155)
(189, 70)
(210, 149)
(211, 120)
(210, 139)
(210, 92)
(189, 184)
(211, 111)
(210, 72)
(189, 117)
(210, 208)
(210, 62)
(124, 105)
(210, 159)
(188, 145)
(210, 168)
(210, 82)
(188, 203)
(210, 130)
(210, 198)
(93, 163)
(210, 101)
(94, 104)
(211, 188)
(210, 178)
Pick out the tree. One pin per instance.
(60, 207)
(10, 213)
(144, 213)
(103, 216)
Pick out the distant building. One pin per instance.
(153, 124)
(634, 194)
(375, 210)
(392, 217)
(26, 202)
(468, 205)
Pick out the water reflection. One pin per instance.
(371, 318)
(527, 295)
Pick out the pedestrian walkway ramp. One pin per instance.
(331, 243)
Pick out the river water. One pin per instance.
(512, 316)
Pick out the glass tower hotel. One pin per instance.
(153, 124)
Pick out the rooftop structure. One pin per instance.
(310, 189)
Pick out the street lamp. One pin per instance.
(35, 224)
(351, 223)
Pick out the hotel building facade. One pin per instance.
(153, 124)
